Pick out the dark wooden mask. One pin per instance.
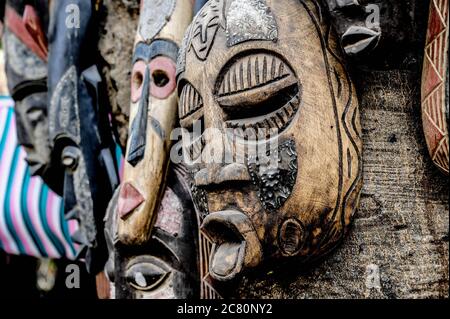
(26, 68)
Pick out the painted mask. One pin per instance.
(153, 115)
(435, 83)
(154, 228)
(272, 133)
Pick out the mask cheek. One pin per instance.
(137, 80)
(163, 71)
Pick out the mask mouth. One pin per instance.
(235, 244)
(359, 39)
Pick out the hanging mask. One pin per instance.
(152, 236)
(435, 83)
(272, 133)
(26, 54)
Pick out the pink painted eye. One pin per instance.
(163, 72)
(137, 79)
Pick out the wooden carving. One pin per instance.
(435, 83)
(164, 267)
(152, 233)
(79, 127)
(272, 134)
(356, 35)
(26, 68)
(153, 115)
(378, 34)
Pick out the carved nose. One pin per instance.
(139, 126)
(216, 174)
(129, 199)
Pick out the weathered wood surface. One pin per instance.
(398, 246)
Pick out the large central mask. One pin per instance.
(272, 133)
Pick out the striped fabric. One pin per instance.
(31, 216)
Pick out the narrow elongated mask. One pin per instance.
(153, 115)
(152, 233)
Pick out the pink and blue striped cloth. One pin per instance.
(31, 216)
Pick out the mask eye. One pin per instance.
(258, 93)
(190, 107)
(190, 111)
(35, 115)
(137, 79)
(146, 276)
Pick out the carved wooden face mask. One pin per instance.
(32, 130)
(26, 54)
(153, 115)
(79, 126)
(164, 267)
(358, 34)
(27, 83)
(276, 166)
(377, 33)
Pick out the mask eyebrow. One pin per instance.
(26, 88)
(158, 247)
(147, 52)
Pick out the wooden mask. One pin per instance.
(164, 267)
(378, 34)
(79, 126)
(155, 243)
(26, 69)
(435, 84)
(153, 115)
(272, 133)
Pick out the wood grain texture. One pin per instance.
(153, 114)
